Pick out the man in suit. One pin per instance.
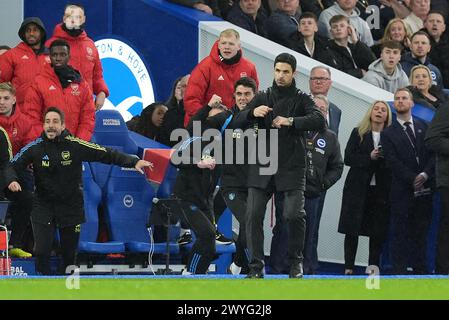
(412, 167)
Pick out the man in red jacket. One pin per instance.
(84, 54)
(21, 64)
(61, 85)
(217, 73)
(17, 128)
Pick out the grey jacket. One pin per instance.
(378, 77)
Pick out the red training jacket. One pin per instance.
(75, 101)
(18, 128)
(84, 58)
(212, 76)
(20, 65)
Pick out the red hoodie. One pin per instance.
(18, 128)
(84, 58)
(212, 76)
(21, 65)
(75, 101)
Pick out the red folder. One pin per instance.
(161, 160)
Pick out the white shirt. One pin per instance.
(376, 140)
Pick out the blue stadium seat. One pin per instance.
(89, 229)
(128, 204)
(110, 131)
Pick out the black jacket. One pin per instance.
(235, 176)
(434, 90)
(193, 184)
(361, 55)
(5, 156)
(290, 158)
(437, 140)
(357, 183)
(57, 166)
(321, 52)
(327, 162)
(245, 21)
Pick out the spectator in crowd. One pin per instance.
(283, 22)
(346, 8)
(316, 6)
(420, 48)
(23, 63)
(195, 185)
(412, 166)
(439, 41)
(18, 129)
(395, 31)
(3, 49)
(58, 201)
(249, 15)
(364, 208)
(291, 112)
(424, 92)
(352, 56)
(437, 140)
(208, 6)
(440, 6)
(320, 82)
(149, 122)
(60, 84)
(307, 42)
(174, 117)
(234, 187)
(415, 20)
(324, 166)
(84, 57)
(217, 73)
(386, 73)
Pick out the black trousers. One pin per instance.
(20, 209)
(203, 250)
(294, 215)
(442, 258)
(236, 202)
(410, 219)
(43, 241)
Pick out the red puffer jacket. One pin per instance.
(21, 65)
(84, 58)
(75, 101)
(212, 76)
(18, 127)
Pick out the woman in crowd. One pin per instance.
(149, 122)
(424, 92)
(365, 209)
(174, 118)
(395, 30)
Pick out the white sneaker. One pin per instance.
(186, 273)
(235, 269)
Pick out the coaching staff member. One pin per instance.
(57, 158)
(291, 112)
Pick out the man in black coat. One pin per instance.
(291, 112)
(412, 166)
(437, 140)
(57, 160)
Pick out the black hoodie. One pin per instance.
(37, 22)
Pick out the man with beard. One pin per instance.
(59, 84)
(84, 57)
(22, 64)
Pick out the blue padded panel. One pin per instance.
(92, 198)
(102, 247)
(128, 203)
(158, 247)
(166, 187)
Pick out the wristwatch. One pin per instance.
(290, 121)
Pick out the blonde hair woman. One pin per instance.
(395, 30)
(424, 92)
(365, 210)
